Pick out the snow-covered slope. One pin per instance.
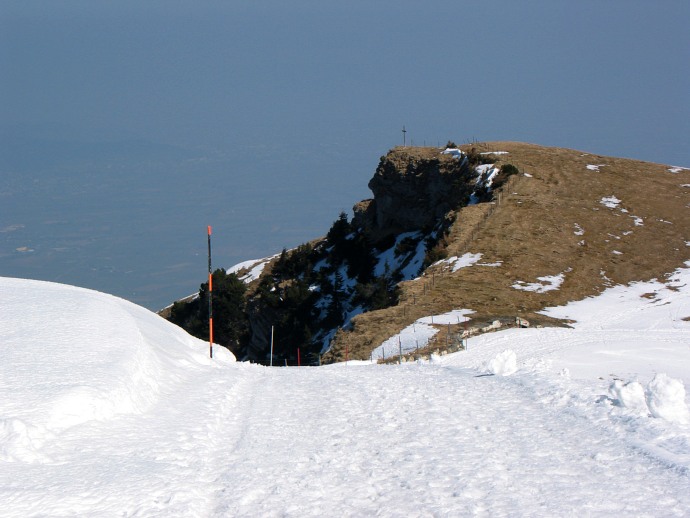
(108, 410)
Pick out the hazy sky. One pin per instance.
(295, 101)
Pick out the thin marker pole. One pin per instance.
(210, 298)
(271, 364)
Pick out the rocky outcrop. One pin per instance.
(413, 189)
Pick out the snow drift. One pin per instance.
(72, 355)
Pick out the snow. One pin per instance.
(456, 263)
(413, 337)
(417, 335)
(452, 317)
(387, 258)
(488, 171)
(255, 267)
(454, 152)
(610, 201)
(579, 231)
(639, 222)
(503, 364)
(665, 399)
(595, 167)
(108, 410)
(546, 283)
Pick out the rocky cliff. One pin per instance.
(413, 189)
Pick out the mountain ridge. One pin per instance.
(560, 213)
(564, 226)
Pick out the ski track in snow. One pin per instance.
(391, 441)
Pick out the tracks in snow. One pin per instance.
(396, 440)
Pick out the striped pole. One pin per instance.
(210, 297)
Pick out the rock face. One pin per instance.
(413, 189)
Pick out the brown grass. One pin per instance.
(532, 232)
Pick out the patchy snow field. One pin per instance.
(108, 410)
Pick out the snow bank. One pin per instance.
(84, 356)
(665, 398)
(503, 364)
(629, 395)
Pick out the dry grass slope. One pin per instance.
(552, 219)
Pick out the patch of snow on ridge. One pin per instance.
(452, 317)
(579, 231)
(255, 267)
(546, 283)
(465, 260)
(455, 152)
(610, 201)
(413, 337)
(455, 262)
(417, 335)
(593, 167)
(676, 170)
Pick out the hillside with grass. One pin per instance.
(500, 230)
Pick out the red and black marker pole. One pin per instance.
(210, 297)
